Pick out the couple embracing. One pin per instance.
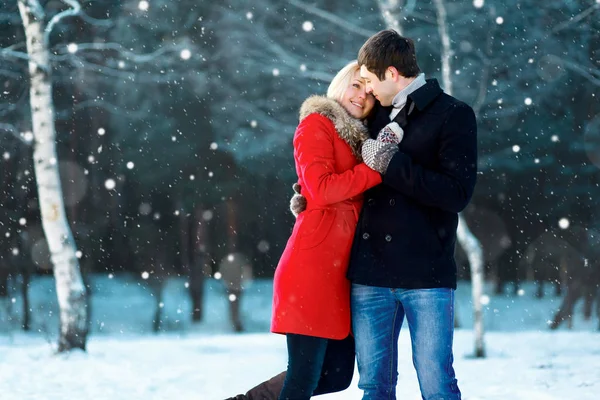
(385, 162)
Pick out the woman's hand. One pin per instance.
(377, 154)
(391, 133)
(297, 202)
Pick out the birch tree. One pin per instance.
(465, 237)
(72, 298)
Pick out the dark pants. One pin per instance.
(317, 366)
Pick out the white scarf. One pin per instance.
(400, 99)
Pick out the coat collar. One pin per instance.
(421, 97)
(424, 95)
(351, 130)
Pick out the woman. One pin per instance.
(311, 300)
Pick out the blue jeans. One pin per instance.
(377, 315)
(317, 366)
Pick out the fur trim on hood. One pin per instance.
(349, 129)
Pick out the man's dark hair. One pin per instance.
(388, 49)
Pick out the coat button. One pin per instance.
(371, 202)
(365, 236)
(388, 238)
(392, 202)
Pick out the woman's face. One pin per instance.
(356, 100)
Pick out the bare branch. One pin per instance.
(503, 112)
(14, 54)
(113, 109)
(130, 56)
(13, 131)
(16, 46)
(410, 7)
(482, 94)
(409, 11)
(18, 55)
(10, 18)
(281, 54)
(446, 50)
(10, 74)
(390, 12)
(504, 160)
(103, 23)
(125, 75)
(6, 109)
(588, 73)
(71, 12)
(334, 19)
(319, 76)
(485, 72)
(34, 6)
(577, 18)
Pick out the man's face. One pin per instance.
(384, 90)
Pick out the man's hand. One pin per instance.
(377, 155)
(297, 202)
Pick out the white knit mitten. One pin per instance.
(391, 133)
(377, 155)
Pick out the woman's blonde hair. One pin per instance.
(341, 81)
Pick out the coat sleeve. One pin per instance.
(314, 153)
(451, 185)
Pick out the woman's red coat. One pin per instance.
(311, 294)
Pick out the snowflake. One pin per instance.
(110, 184)
(564, 223)
(185, 54)
(307, 26)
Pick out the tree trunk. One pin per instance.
(472, 247)
(70, 290)
(25, 267)
(26, 274)
(196, 271)
(390, 12)
(466, 239)
(234, 291)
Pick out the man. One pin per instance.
(402, 260)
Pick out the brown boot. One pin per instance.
(268, 390)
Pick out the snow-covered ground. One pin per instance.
(208, 362)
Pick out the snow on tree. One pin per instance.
(72, 298)
(467, 240)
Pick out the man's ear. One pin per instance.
(393, 73)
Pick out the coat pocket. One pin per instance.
(314, 228)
